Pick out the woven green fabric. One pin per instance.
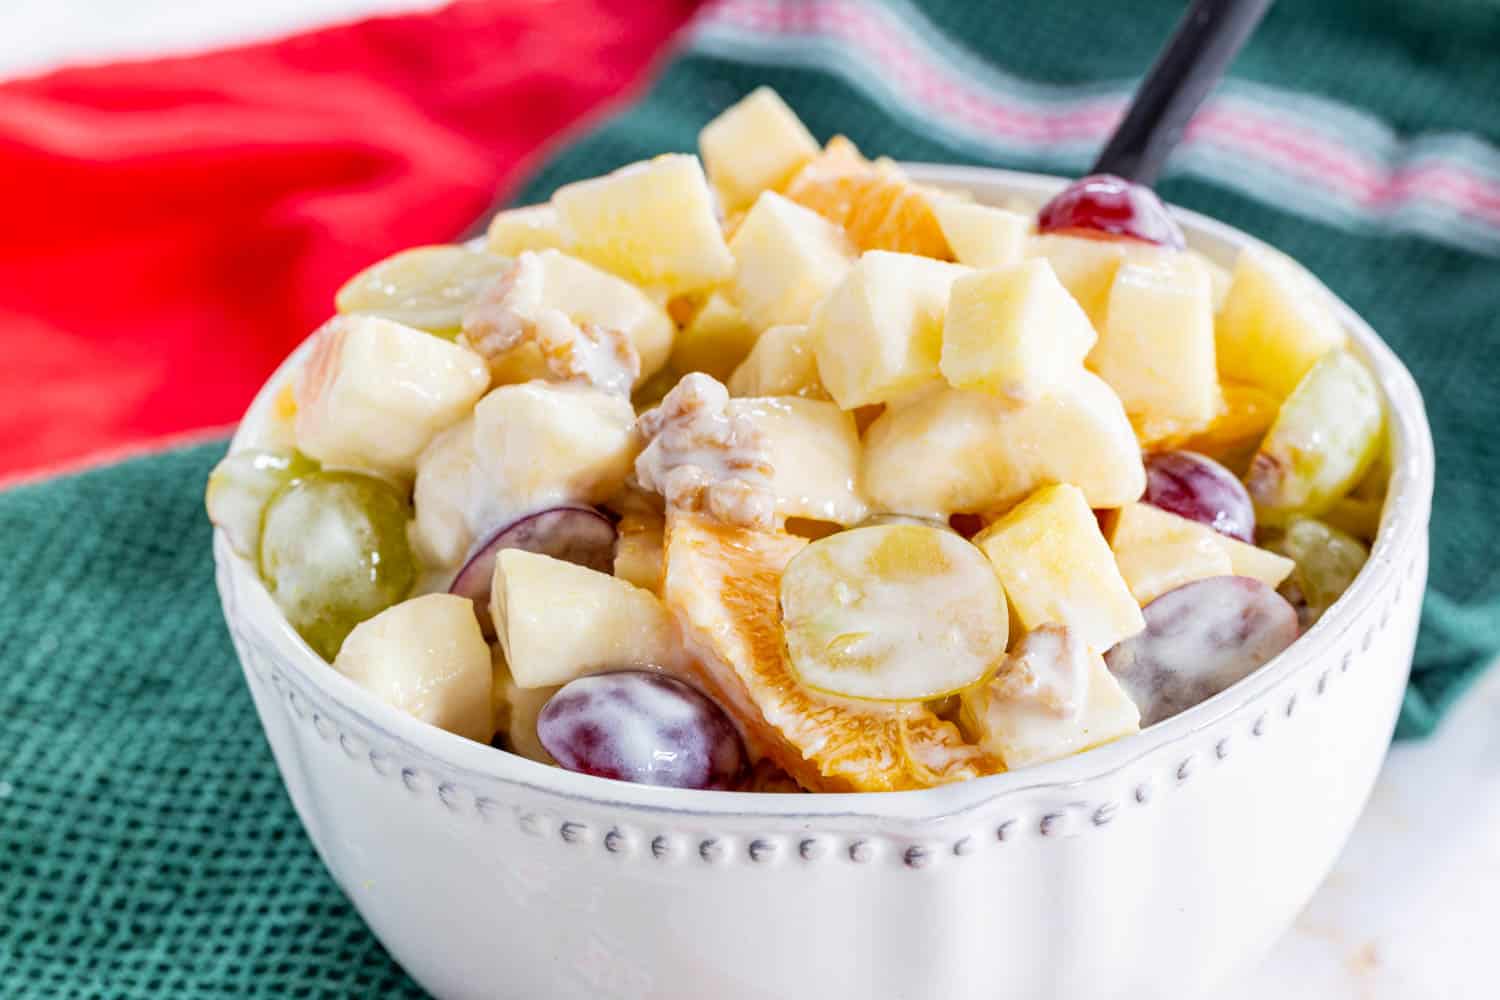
(146, 846)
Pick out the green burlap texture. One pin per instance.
(146, 846)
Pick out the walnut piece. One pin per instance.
(512, 311)
(700, 456)
(1050, 666)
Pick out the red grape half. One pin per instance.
(642, 727)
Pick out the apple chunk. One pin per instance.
(1056, 567)
(787, 259)
(652, 223)
(373, 393)
(1156, 348)
(715, 340)
(780, 364)
(814, 449)
(982, 235)
(951, 450)
(539, 445)
(879, 334)
(1158, 551)
(754, 145)
(1276, 322)
(558, 621)
(426, 657)
(1013, 332)
(533, 227)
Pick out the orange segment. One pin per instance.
(879, 207)
(723, 583)
(1238, 429)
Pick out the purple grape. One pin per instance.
(643, 727)
(1196, 487)
(1105, 206)
(579, 535)
(1199, 639)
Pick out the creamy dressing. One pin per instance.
(1050, 668)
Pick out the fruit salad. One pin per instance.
(772, 469)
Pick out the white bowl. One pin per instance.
(1152, 867)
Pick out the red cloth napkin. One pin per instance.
(170, 229)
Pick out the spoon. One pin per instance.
(1116, 198)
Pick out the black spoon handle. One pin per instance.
(1200, 49)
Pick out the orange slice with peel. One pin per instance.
(723, 583)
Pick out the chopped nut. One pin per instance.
(511, 311)
(1050, 667)
(700, 457)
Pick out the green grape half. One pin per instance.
(241, 485)
(425, 287)
(333, 552)
(1325, 437)
(1327, 561)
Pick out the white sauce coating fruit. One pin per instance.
(1199, 639)
(701, 456)
(512, 312)
(642, 727)
(1050, 667)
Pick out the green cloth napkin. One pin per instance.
(146, 846)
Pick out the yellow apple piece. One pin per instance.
(1255, 562)
(754, 145)
(516, 710)
(1014, 333)
(815, 456)
(786, 260)
(426, 657)
(652, 223)
(1086, 267)
(373, 393)
(640, 548)
(1277, 321)
(444, 498)
(879, 334)
(558, 621)
(780, 364)
(540, 444)
(1158, 551)
(1056, 567)
(715, 340)
(533, 227)
(1156, 348)
(952, 451)
(982, 235)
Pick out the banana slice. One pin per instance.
(893, 612)
(723, 584)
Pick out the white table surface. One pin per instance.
(1412, 908)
